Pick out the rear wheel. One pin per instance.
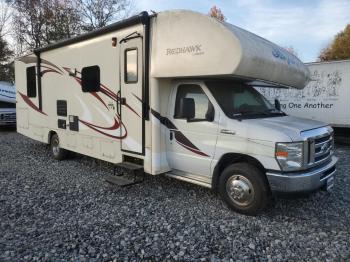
(244, 188)
(58, 153)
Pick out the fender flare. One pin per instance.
(229, 159)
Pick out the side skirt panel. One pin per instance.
(187, 177)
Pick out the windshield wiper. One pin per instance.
(251, 113)
(277, 112)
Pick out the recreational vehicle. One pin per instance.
(7, 104)
(172, 94)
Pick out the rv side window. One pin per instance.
(31, 81)
(131, 66)
(90, 79)
(204, 109)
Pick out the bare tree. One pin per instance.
(64, 20)
(6, 70)
(216, 12)
(5, 16)
(41, 22)
(99, 13)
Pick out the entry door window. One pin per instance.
(131, 73)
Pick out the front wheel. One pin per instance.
(58, 153)
(244, 188)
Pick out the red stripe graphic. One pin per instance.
(31, 104)
(78, 79)
(99, 98)
(115, 126)
(107, 90)
(32, 60)
(180, 138)
(48, 70)
(198, 152)
(104, 90)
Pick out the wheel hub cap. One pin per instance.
(240, 190)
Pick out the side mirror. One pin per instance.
(209, 116)
(277, 104)
(187, 108)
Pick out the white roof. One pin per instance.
(190, 44)
(7, 92)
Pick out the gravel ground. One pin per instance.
(53, 211)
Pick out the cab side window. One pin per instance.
(204, 110)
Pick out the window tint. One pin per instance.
(240, 100)
(245, 98)
(31, 81)
(7, 105)
(203, 107)
(131, 66)
(90, 79)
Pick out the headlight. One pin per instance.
(290, 155)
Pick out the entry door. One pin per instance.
(131, 95)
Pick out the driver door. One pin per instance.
(191, 143)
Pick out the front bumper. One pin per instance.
(304, 181)
(7, 123)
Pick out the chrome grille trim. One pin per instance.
(321, 153)
(320, 145)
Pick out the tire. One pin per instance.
(244, 188)
(57, 152)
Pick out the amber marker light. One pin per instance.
(282, 154)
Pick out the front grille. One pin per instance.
(319, 146)
(324, 156)
(8, 117)
(322, 139)
(323, 147)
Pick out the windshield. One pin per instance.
(239, 100)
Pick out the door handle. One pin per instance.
(227, 131)
(171, 135)
(118, 103)
(123, 101)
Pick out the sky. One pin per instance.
(306, 25)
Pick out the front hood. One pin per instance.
(289, 125)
